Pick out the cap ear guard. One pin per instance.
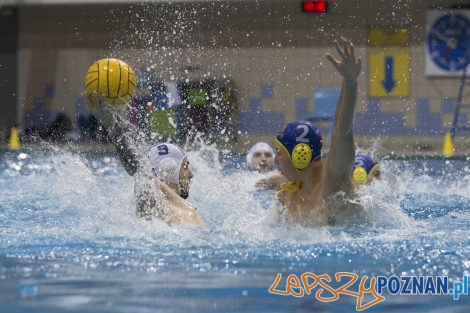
(167, 170)
(360, 175)
(301, 156)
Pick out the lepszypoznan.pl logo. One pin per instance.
(404, 285)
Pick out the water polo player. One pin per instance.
(148, 183)
(365, 170)
(260, 157)
(319, 192)
(170, 165)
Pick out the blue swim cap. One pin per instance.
(302, 142)
(362, 168)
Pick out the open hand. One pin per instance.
(349, 67)
(263, 184)
(272, 182)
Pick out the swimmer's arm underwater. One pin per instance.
(341, 156)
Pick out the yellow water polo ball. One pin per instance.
(110, 80)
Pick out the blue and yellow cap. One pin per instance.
(302, 142)
(362, 168)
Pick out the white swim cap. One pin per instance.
(257, 147)
(166, 159)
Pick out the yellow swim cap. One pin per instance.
(302, 142)
(363, 168)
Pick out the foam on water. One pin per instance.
(64, 195)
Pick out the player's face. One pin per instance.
(376, 174)
(262, 160)
(285, 165)
(185, 178)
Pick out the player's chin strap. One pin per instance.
(290, 186)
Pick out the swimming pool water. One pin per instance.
(70, 241)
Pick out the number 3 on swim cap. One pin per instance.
(162, 149)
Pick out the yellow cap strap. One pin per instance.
(290, 186)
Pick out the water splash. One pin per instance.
(73, 197)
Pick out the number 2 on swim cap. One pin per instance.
(302, 138)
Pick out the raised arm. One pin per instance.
(341, 155)
(126, 154)
(117, 133)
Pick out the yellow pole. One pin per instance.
(448, 149)
(14, 142)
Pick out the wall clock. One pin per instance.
(448, 42)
